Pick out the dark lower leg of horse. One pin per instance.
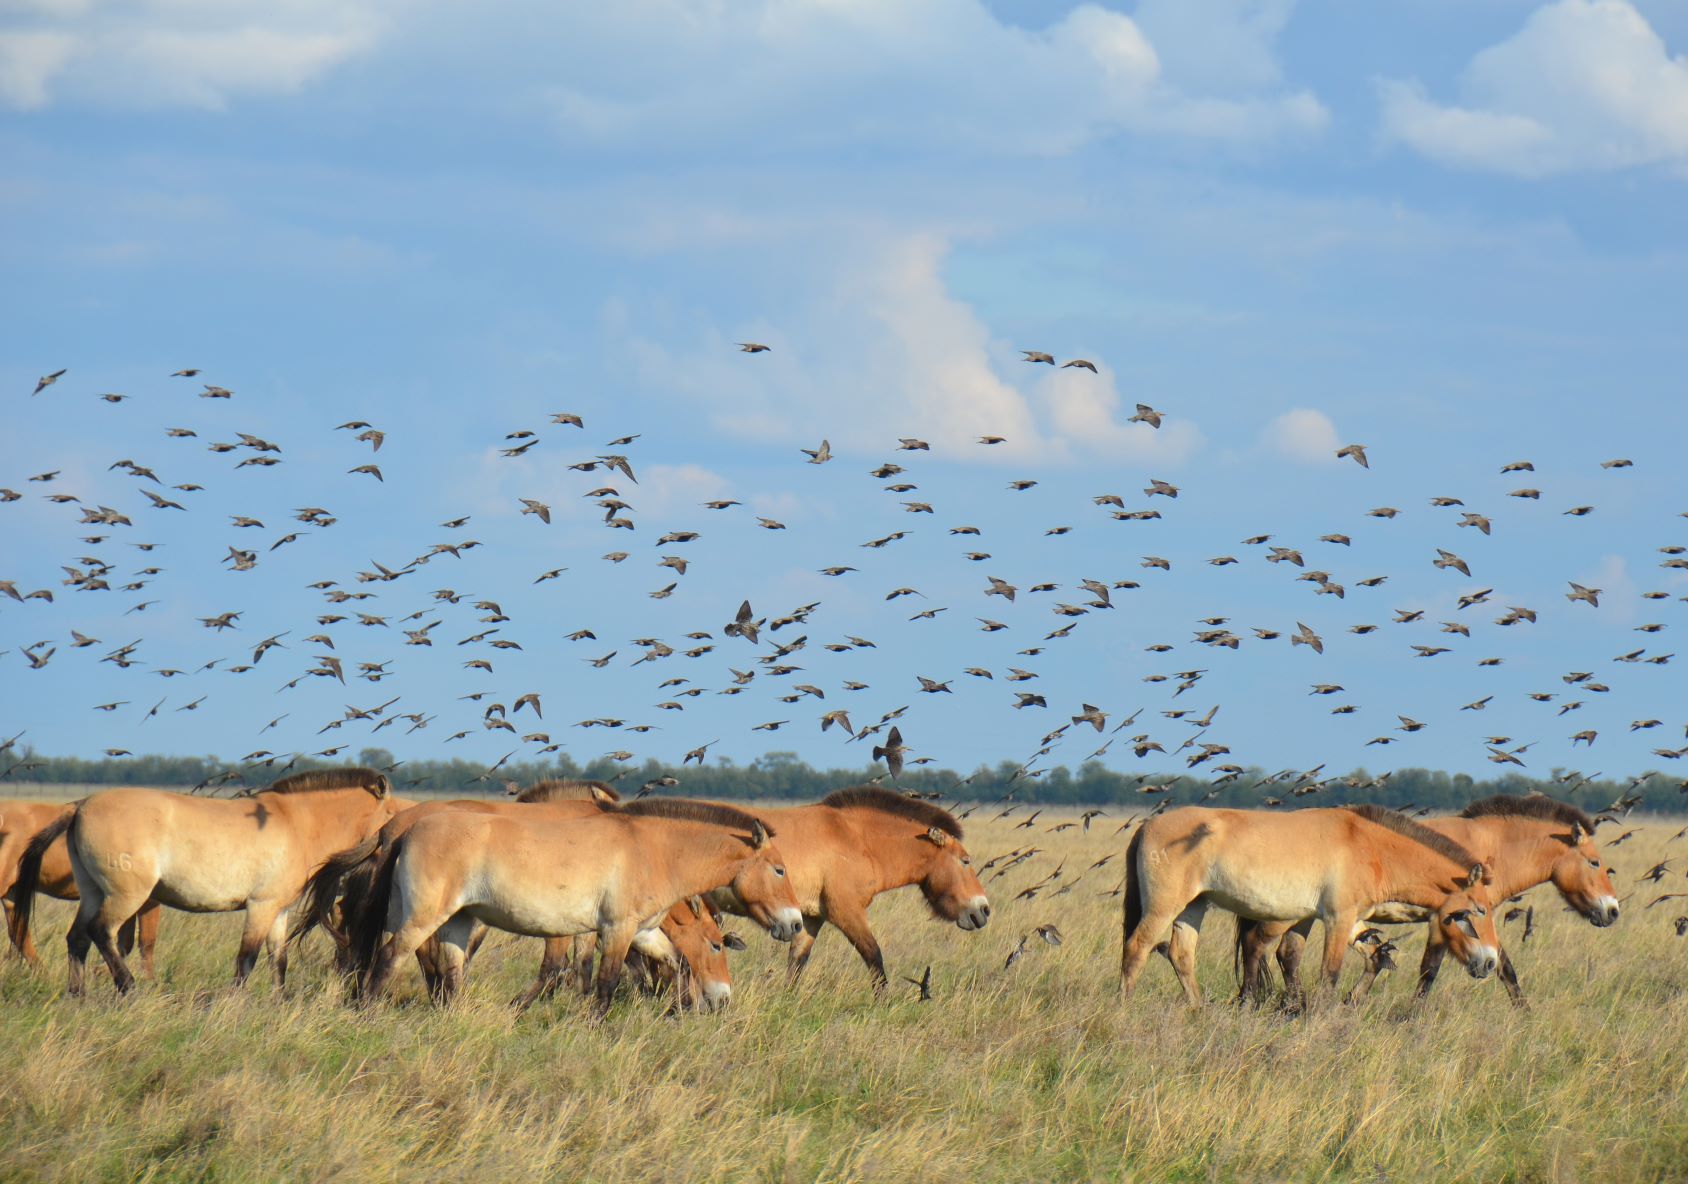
(76, 943)
(386, 963)
(1428, 966)
(146, 935)
(121, 978)
(1509, 978)
(246, 957)
(609, 978)
(545, 983)
(126, 937)
(801, 947)
(20, 937)
(280, 959)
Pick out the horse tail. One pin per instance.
(29, 874)
(1133, 890)
(365, 915)
(323, 889)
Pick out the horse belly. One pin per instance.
(534, 912)
(1288, 895)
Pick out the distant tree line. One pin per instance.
(782, 776)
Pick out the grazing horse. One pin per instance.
(20, 822)
(129, 847)
(846, 849)
(1334, 865)
(1524, 841)
(613, 873)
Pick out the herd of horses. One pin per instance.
(640, 887)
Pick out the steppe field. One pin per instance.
(1035, 1072)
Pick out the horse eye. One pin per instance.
(1595, 864)
(966, 863)
(779, 871)
(715, 947)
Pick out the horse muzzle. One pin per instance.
(1482, 962)
(1603, 912)
(975, 915)
(785, 924)
(716, 996)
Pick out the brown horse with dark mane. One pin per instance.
(615, 873)
(131, 847)
(1524, 841)
(1334, 865)
(20, 822)
(856, 843)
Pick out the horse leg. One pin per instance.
(107, 917)
(260, 919)
(801, 947)
(1141, 942)
(851, 919)
(76, 944)
(475, 941)
(1509, 977)
(22, 942)
(1181, 949)
(1434, 951)
(453, 954)
(1255, 941)
(1291, 946)
(613, 944)
(146, 935)
(1339, 927)
(275, 944)
(404, 939)
(585, 950)
(430, 961)
(550, 976)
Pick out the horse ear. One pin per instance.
(1579, 833)
(383, 787)
(937, 836)
(696, 904)
(602, 796)
(1477, 875)
(759, 837)
(733, 941)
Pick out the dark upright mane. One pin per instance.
(1529, 806)
(566, 790)
(1417, 832)
(872, 797)
(321, 779)
(688, 810)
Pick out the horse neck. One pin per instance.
(338, 818)
(695, 857)
(1412, 873)
(897, 860)
(1518, 851)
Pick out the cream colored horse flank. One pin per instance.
(131, 846)
(1524, 841)
(613, 873)
(856, 843)
(20, 823)
(1332, 864)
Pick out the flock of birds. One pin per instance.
(336, 638)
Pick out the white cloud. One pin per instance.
(1584, 85)
(874, 346)
(1303, 434)
(178, 52)
(664, 489)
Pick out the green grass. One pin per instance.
(1036, 1073)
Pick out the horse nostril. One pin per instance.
(986, 910)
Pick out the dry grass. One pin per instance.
(1033, 1073)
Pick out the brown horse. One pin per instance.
(347, 877)
(613, 873)
(846, 849)
(1524, 842)
(129, 847)
(20, 822)
(1332, 864)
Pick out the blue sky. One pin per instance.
(1450, 231)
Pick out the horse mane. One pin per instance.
(691, 810)
(1533, 805)
(353, 777)
(1417, 832)
(873, 797)
(566, 789)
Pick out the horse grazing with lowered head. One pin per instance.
(856, 843)
(132, 847)
(613, 873)
(20, 822)
(1334, 865)
(1524, 841)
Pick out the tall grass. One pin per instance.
(1032, 1073)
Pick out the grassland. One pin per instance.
(1033, 1073)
